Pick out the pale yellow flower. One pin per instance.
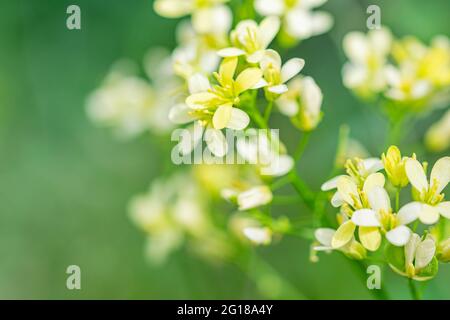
(437, 137)
(251, 39)
(394, 165)
(351, 248)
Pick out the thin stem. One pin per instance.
(301, 146)
(268, 111)
(302, 189)
(415, 293)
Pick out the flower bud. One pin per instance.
(394, 166)
(444, 251)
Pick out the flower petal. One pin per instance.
(222, 116)
(416, 174)
(429, 214)
(324, 236)
(270, 7)
(230, 52)
(336, 200)
(190, 138)
(444, 209)
(374, 180)
(279, 89)
(347, 189)
(279, 166)
(410, 248)
(268, 29)
(260, 236)
(200, 100)
(173, 8)
(440, 173)
(409, 212)
(198, 83)
(379, 199)
(216, 142)
(227, 69)
(399, 236)
(254, 197)
(330, 184)
(247, 79)
(370, 237)
(425, 253)
(291, 68)
(366, 218)
(239, 119)
(271, 59)
(343, 234)
(179, 114)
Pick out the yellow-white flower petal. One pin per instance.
(321, 22)
(239, 119)
(379, 199)
(256, 56)
(441, 173)
(356, 47)
(444, 209)
(336, 200)
(409, 212)
(222, 116)
(173, 8)
(247, 79)
(228, 68)
(370, 237)
(291, 68)
(424, 253)
(200, 100)
(230, 52)
(372, 165)
(416, 174)
(216, 142)
(343, 234)
(259, 236)
(324, 236)
(179, 114)
(347, 189)
(278, 89)
(366, 218)
(218, 19)
(270, 7)
(374, 180)
(198, 83)
(280, 166)
(429, 214)
(410, 248)
(268, 29)
(254, 197)
(330, 184)
(271, 59)
(399, 236)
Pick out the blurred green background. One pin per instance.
(65, 185)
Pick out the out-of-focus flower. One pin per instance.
(276, 75)
(124, 103)
(258, 236)
(248, 197)
(394, 165)
(428, 194)
(365, 72)
(251, 39)
(437, 138)
(299, 20)
(269, 155)
(302, 102)
(207, 15)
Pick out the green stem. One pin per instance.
(268, 111)
(301, 146)
(415, 293)
(302, 189)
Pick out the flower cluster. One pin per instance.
(406, 73)
(367, 217)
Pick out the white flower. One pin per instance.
(365, 72)
(351, 248)
(302, 103)
(299, 21)
(251, 39)
(437, 137)
(428, 194)
(404, 85)
(276, 75)
(207, 15)
(418, 254)
(257, 149)
(254, 197)
(258, 235)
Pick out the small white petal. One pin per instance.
(399, 236)
(270, 7)
(366, 218)
(239, 119)
(336, 200)
(254, 197)
(425, 253)
(216, 142)
(441, 173)
(324, 236)
(330, 184)
(198, 83)
(230, 52)
(279, 89)
(268, 29)
(379, 199)
(374, 180)
(291, 68)
(410, 248)
(179, 114)
(429, 214)
(356, 47)
(280, 166)
(409, 212)
(258, 235)
(416, 174)
(444, 209)
(372, 165)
